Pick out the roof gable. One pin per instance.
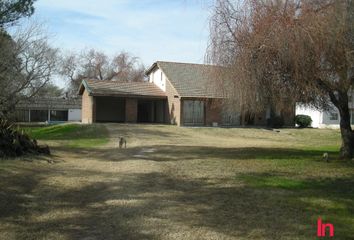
(190, 80)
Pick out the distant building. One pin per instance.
(48, 110)
(323, 119)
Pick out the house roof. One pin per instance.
(53, 103)
(115, 88)
(190, 80)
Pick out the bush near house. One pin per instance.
(303, 121)
(14, 142)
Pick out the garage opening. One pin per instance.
(151, 111)
(110, 109)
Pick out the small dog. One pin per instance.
(122, 141)
(325, 157)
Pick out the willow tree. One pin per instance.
(298, 50)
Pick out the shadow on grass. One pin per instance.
(177, 152)
(151, 205)
(143, 131)
(13, 192)
(332, 199)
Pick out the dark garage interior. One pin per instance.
(151, 111)
(110, 109)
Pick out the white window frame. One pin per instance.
(333, 116)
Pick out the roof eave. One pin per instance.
(150, 69)
(128, 95)
(210, 97)
(84, 85)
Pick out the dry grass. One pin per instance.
(181, 183)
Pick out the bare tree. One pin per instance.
(282, 52)
(95, 65)
(125, 67)
(27, 64)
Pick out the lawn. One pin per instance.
(177, 183)
(71, 135)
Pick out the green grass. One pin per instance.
(273, 182)
(330, 198)
(178, 183)
(71, 135)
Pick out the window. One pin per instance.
(193, 112)
(333, 116)
(59, 115)
(39, 115)
(352, 116)
(21, 116)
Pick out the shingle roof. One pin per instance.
(190, 80)
(115, 88)
(50, 103)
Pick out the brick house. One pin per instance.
(175, 93)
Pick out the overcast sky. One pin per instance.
(170, 30)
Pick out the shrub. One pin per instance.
(14, 142)
(303, 121)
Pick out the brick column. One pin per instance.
(131, 110)
(87, 112)
(93, 99)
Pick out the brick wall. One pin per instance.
(213, 111)
(87, 111)
(131, 110)
(173, 105)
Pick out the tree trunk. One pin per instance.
(340, 100)
(346, 150)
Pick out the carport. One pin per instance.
(129, 102)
